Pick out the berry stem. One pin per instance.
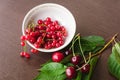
(74, 40)
(85, 63)
(81, 49)
(25, 47)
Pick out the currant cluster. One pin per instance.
(45, 34)
(76, 60)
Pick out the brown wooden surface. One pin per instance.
(93, 17)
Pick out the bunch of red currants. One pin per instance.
(45, 34)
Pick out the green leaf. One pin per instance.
(114, 62)
(52, 71)
(90, 44)
(79, 75)
(94, 42)
(93, 62)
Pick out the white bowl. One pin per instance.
(56, 12)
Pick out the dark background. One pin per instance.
(93, 17)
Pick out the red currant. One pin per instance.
(22, 43)
(48, 19)
(34, 51)
(40, 21)
(57, 56)
(27, 55)
(22, 54)
(22, 37)
(37, 45)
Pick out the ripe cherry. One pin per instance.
(76, 59)
(70, 72)
(57, 56)
(68, 52)
(86, 68)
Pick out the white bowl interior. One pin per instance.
(56, 12)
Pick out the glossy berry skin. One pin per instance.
(27, 55)
(76, 59)
(22, 43)
(86, 68)
(68, 52)
(57, 56)
(34, 51)
(22, 38)
(70, 72)
(22, 54)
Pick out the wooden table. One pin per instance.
(93, 17)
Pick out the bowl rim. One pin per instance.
(42, 5)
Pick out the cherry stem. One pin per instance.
(85, 63)
(25, 47)
(81, 49)
(74, 40)
(105, 46)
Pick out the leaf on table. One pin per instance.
(52, 71)
(114, 61)
(90, 44)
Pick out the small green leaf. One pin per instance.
(52, 71)
(79, 75)
(90, 44)
(114, 61)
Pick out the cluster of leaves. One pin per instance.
(114, 61)
(56, 71)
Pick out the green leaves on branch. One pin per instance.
(56, 71)
(114, 61)
(90, 44)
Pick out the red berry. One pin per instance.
(22, 54)
(40, 21)
(28, 30)
(27, 37)
(27, 55)
(59, 34)
(34, 51)
(76, 60)
(32, 34)
(68, 52)
(37, 45)
(57, 45)
(48, 19)
(86, 68)
(32, 40)
(70, 72)
(22, 37)
(39, 40)
(22, 43)
(57, 56)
